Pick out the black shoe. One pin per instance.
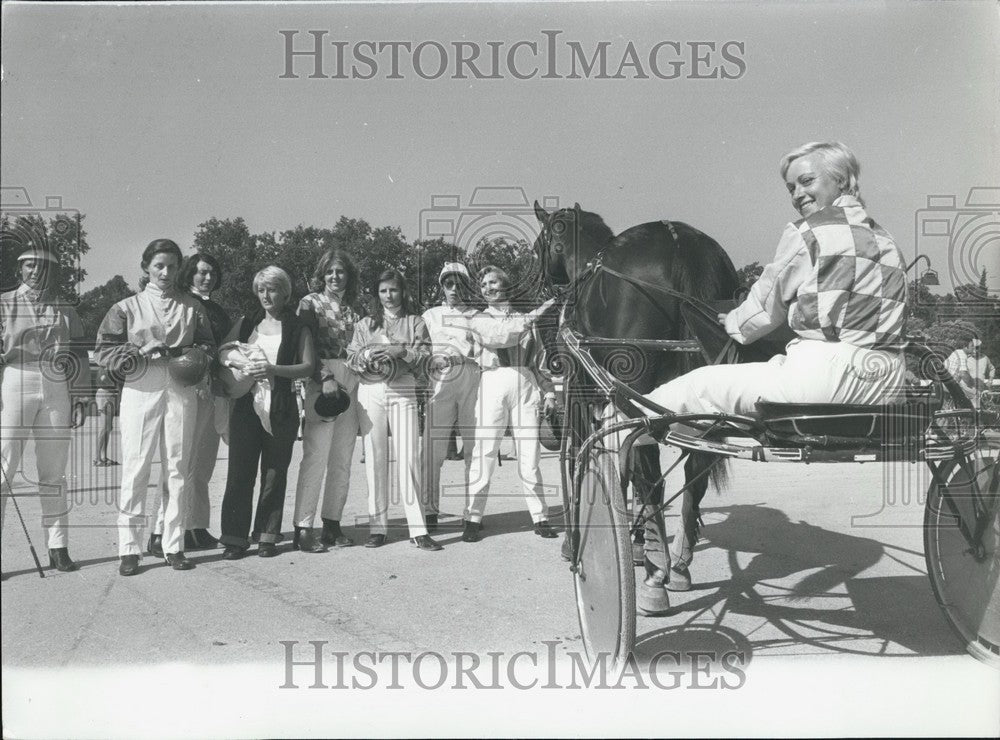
(375, 540)
(129, 565)
(424, 542)
(267, 550)
(333, 536)
(178, 561)
(199, 539)
(305, 541)
(470, 533)
(234, 552)
(155, 545)
(544, 529)
(60, 560)
(432, 522)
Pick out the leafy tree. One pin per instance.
(749, 274)
(240, 254)
(95, 303)
(61, 234)
(517, 258)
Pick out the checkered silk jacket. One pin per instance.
(837, 276)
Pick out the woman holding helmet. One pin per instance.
(156, 340)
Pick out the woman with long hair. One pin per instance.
(387, 352)
(328, 444)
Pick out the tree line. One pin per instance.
(948, 319)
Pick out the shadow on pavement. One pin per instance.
(814, 612)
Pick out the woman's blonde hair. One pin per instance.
(836, 160)
(275, 277)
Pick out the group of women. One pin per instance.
(359, 374)
(838, 280)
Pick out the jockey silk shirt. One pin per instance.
(837, 276)
(34, 328)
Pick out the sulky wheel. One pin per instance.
(603, 575)
(961, 537)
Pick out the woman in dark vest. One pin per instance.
(272, 346)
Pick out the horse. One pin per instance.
(601, 303)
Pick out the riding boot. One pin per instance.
(333, 536)
(651, 598)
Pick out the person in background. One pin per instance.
(106, 400)
(511, 393)
(328, 446)
(454, 376)
(42, 361)
(137, 339)
(274, 347)
(387, 352)
(970, 367)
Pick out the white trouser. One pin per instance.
(37, 406)
(453, 401)
(812, 372)
(380, 409)
(507, 395)
(327, 451)
(154, 407)
(204, 455)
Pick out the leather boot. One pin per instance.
(333, 536)
(60, 560)
(651, 598)
(155, 546)
(129, 565)
(470, 533)
(305, 541)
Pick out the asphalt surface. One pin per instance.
(811, 580)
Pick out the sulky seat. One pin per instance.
(835, 425)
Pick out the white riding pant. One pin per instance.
(154, 407)
(37, 406)
(382, 409)
(453, 401)
(507, 396)
(812, 371)
(204, 455)
(327, 451)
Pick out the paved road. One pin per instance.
(810, 577)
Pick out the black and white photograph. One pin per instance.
(500, 369)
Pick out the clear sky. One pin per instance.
(152, 119)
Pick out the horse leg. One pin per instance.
(651, 595)
(686, 535)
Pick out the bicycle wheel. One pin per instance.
(964, 567)
(604, 578)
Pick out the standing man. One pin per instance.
(454, 376)
(41, 356)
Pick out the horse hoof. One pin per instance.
(651, 600)
(680, 579)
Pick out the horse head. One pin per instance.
(569, 239)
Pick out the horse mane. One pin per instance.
(595, 226)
